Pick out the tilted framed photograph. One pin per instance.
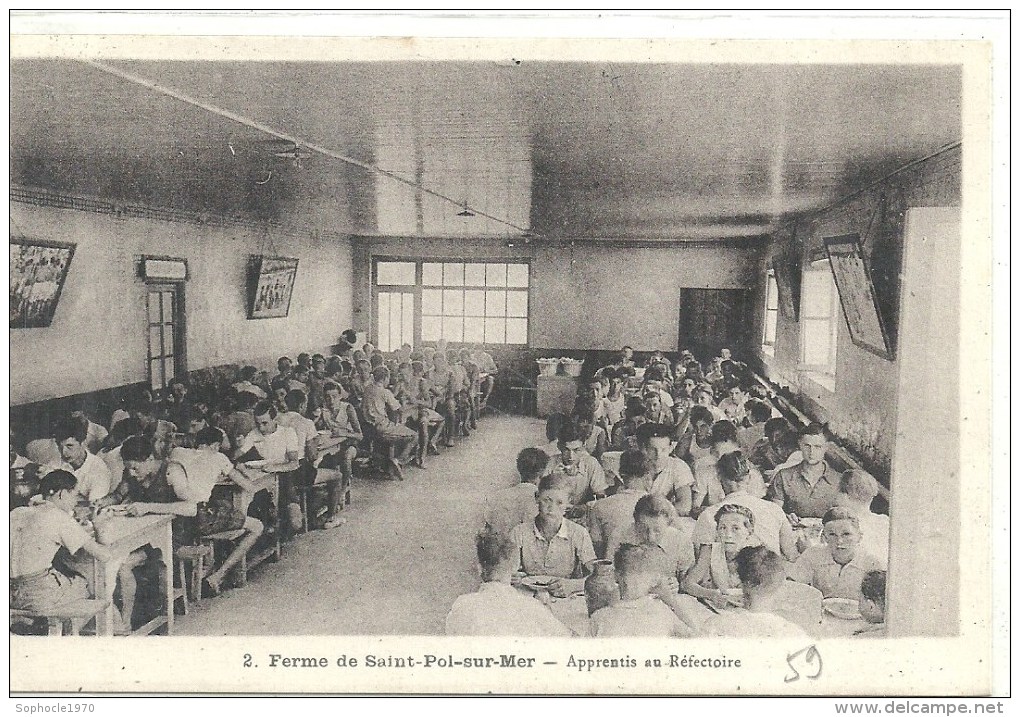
(38, 271)
(271, 286)
(857, 294)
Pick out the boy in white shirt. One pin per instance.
(514, 505)
(92, 474)
(856, 491)
(761, 577)
(281, 448)
(640, 611)
(498, 609)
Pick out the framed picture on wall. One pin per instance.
(271, 285)
(857, 294)
(38, 271)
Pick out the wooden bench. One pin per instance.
(66, 619)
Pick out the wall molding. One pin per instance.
(38, 197)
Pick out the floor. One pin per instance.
(406, 551)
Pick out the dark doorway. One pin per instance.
(712, 319)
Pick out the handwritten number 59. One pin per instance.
(808, 659)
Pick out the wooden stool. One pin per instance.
(194, 555)
(66, 619)
(227, 536)
(324, 483)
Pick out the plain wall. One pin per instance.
(862, 409)
(588, 296)
(98, 337)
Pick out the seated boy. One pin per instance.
(247, 376)
(670, 477)
(193, 475)
(516, 504)
(639, 613)
(378, 401)
(871, 603)
(37, 532)
(761, 577)
(651, 526)
(552, 545)
(856, 491)
(281, 448)
(758, 414)
(583, 473)
(610, 516)
(838, 567)
(497, 608)
(90, 471)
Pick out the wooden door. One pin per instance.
(712, 319)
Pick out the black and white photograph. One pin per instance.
(273, 286)
(605, 359)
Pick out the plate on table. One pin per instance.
(537, 583)
(255, 464)
(843, 608)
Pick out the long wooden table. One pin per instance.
(129, 535)
(573, 612)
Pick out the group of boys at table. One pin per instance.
(718, 519)
(233, 468)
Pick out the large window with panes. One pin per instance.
(471, 302)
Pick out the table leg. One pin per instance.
(104, 583)
(278, 551)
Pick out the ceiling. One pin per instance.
(568, 150)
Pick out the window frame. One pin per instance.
(832, 319)
(419, 287)
(771, 316)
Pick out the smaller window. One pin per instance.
(768, 342)
(395, 273)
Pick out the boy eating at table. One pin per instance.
(762, 578)
(871, 603)
(838, 567)
(497, 608)
(517, 504)
(551, 545)
(640, 612)
(37, 532)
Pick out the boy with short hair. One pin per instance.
(670, 477)
(614, 513)
(758, 414)
(871, 603)
(838, 567)
(653, 526)
(246, 385)
(93, 479)
(583, 473)
(761, 578)
(809, 488)
(514, 505)
(552, 545)
(497, 608)
(37, 532)
(639, 613)
(857, 489)
(376, 405)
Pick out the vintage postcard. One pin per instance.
(451, 361)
